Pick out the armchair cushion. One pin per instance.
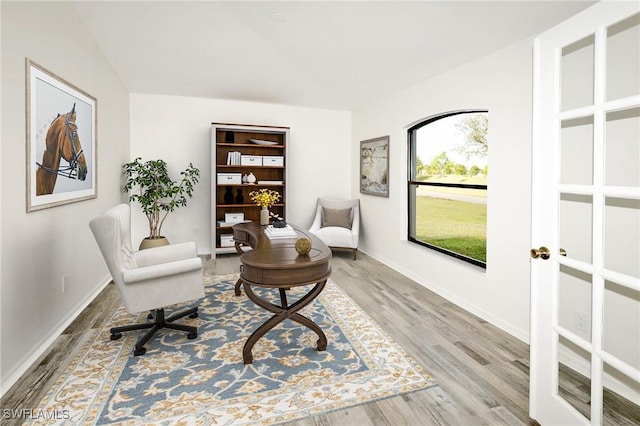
(165, 254)
(336, 236)
(336, 217)
(164, 270)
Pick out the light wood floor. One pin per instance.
(482, 372)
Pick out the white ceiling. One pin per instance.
(336, 55)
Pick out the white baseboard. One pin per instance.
(516, 332)
(40, 348)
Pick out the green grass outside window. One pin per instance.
(457, 226)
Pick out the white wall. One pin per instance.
(500, 83)
(38, 248)
(177, 129)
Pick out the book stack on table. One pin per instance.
(274, 233)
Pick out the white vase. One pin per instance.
(264, 216)
(251, 178)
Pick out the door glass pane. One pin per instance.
(574, 301)
(575, 221)
(622, 148)
(576, 151)
(623, 58)
(621, 326)
(577, 74)
(622, 236)
(619, 407)
(574, 370)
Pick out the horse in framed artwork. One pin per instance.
(62, 143)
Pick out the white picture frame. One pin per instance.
(57, 113)
(374, 166)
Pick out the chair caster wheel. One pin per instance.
(140, 351)
(116, 336)
(194, 315)
(192, 335)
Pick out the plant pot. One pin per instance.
(264, 216)
(150, 242)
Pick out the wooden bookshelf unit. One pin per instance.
(262, 150)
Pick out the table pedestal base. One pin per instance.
(281, 313)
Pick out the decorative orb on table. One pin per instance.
(303, 246)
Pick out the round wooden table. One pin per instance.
(274, 263)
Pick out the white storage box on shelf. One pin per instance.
(234, 217)
(251, 160)
(226, 240)
(273, 160)
(229, 178)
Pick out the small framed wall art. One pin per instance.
(374, 166)
(61, 141)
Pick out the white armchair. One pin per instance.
(337, 223)
(150, 279)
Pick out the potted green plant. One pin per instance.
(148, 183)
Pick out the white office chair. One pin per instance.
(337, 223)
(150, 279)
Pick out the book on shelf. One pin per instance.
(233, 158)
(270, 182)
(286, 232)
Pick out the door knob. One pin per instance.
(563, 252)
(542, 253)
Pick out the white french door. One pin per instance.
(585, 266)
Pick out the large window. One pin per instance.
(448, 184)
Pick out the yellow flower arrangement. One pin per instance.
(265, 197)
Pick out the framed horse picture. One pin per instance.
(61, 141)
(374, 166)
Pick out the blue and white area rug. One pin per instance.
(204, 381)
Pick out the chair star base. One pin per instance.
(159, 322)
